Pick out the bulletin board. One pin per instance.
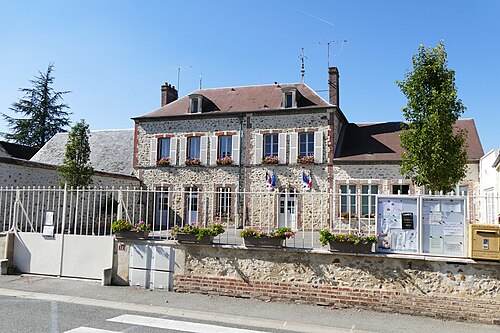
(443, 226)
(398, 221)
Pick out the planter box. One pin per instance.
(345, 247)
(131, 234)
(263, 242)
(193, 239)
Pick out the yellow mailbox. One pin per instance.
(485, 241)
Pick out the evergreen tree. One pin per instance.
(434, 154)
(76, 169)
(43, 115)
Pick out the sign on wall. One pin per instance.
(397, 224)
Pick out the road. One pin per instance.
(40, 304)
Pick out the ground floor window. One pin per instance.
(400, 189)
(192, 197)
(223, 202)
(347, 200)
(368, 200)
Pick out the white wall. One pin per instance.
(489, 180)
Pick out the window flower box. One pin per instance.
(270, 160)
(346, 215)
(305, 159)
(126, 230)
(266, 238)
(193, 161)
(224, 161)
(192, 234)
(163, 161)
(347, 243)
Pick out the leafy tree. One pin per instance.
(434, 154)
(76, 169)
(43, 115)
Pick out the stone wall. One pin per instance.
(422, 286)
(15, 172)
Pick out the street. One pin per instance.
(41, 304)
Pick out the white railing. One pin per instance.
(90, 211)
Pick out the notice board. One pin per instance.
(398, 224)
(443, 226)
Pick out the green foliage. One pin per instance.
(281, 233)
(76, 169)
(214, 230)
(121, 225)
(434, 155)
(325, 236)
(42, 114)
(141, 226)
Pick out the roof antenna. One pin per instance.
(328, 42)
(179, 75)
(302, 57)
(200, 80)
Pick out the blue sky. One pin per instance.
(114, 55)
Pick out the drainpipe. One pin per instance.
(241, 176)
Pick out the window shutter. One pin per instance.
(213, 150)
(282, 148)
(203, 150)
(182, 150)
(258, 148)
(318, 147)
(235, 153)
(153, 151)
(294, 146)
(173, 151)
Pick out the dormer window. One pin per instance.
(289, 97)
(195, 103)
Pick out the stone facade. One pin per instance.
(423, 286)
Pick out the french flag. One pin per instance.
(307, 183)
(269, 182)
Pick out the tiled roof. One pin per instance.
(17, 151)
(241, 99)
(110, 150)
(380, 141)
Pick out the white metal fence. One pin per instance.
(90, 211)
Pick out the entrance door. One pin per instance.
(192, 205)
(288, 211)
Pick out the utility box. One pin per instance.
(485, 241)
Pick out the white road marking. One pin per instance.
(183, 326)
(84, 329)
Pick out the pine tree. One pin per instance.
(76, 169)
(43, 115)
(434, 154)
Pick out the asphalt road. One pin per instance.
(40, 304)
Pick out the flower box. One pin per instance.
(305, 159)
(224, 161)
(193, 239)
(131, 234)
(163, 162)
(193, 161)
(270, 160)
(344, 247)
(271, 242)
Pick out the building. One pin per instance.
(219, 141)
(14, 150)
(490, 187)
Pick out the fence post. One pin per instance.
(119, 209)
(63, 223)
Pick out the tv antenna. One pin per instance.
(201, 78)
(179, 75)
(328, 42)
(302, 57)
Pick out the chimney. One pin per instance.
(168, 94)
(333, 85)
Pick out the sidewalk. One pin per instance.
(288, 317)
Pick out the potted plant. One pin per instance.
(347, 243)
(270, 160)
(260, 237)
(193, 234)
(126, 230)
(192, 161)
(346, 215)
(305, 159)
(224, 160)
(165, 161)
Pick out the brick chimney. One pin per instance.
(333, 85)
(168, 94)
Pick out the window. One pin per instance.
(225, 146)
(400, 189)
(288, 100)
(306, 143)
(223, 208)
(193, 147)
(194, 106)
(368, 200)
(270, 145)
(163, 148)
(348, 202)
(192, 205)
